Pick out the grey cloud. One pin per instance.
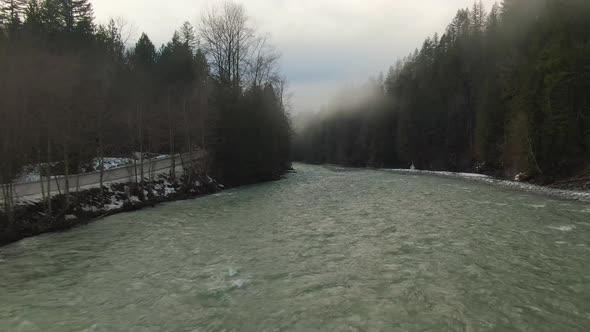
(325, 43)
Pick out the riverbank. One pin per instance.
(580, 181)
(32, 218)
(548, 190)
(577, 188)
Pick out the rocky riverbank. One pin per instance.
(574, 180)
(579, 185)
(86, 206)
(576, 191)
(570, 184)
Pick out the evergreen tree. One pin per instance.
(109, 36)
(34, 17)
(12, 15)
(188, 36)
(143, 56)
(74, 17)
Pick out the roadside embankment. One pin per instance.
(35, 218)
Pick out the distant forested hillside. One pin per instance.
(503, 90)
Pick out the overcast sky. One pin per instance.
(325, 44)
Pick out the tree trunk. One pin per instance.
(202, 119)
(188, 138)
(171, 141)
(139, 114)
(101, 165)
(135, 168)
(41, 173)
(66, 172)
(150, 161)
(8, 201)
(532, 154)
(49, 209)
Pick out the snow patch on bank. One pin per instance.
(169, 189)
(568, 194)
(89, 208)
(116, 204)
(439, 173)
(111, 163)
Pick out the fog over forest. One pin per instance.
(503, 90)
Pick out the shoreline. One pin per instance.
(89, 206)
(551, 189)
(548, 190)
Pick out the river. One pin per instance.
(322, 250)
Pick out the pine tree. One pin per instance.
(110, 37)
(83, 15)
(188, 36)
(478, 17)
(34, 16)
(144, 54)
(69, 16)
(12, 14)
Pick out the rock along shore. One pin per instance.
(85, 206)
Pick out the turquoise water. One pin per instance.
(322, 250)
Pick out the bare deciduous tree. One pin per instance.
(263, 65)
(228, 41)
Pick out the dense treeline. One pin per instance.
(505, 91)
(71, 91)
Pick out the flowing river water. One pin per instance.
(322, 250)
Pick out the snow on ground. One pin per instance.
(115, 204)
(169, 189)
(25, 178)
(440, 173)
(110, 163)
(88, 208)
(569, 194)
(31, 173)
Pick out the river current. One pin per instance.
(322, 250)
